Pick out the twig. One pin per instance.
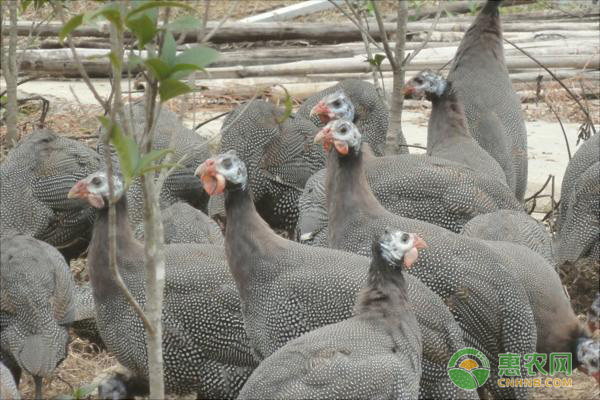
(82, 72)
(210, 120)
(416, 146)
(362, 29)
(412, 55)
(539, 191)
(221, 22)
(384, 39)
(560, 82)
(562, 127)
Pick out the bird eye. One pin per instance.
(419, 81)
(337, 103)
(344, 129)
(404, 238)
(96, 181)
(227, 163)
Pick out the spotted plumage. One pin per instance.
(487, 301)
(356, 101)
(419, 187)
(181, 184)
(374, 354)
(448, 135)
(512, 226)
(279, 155)
(493, 109)
(289, 289)
(35, 178)
(38, 302)
(183, 223)
(205, 348)
(8, 387)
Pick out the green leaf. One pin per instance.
(377, 60)
(127, 149)
(158, 68)
(133, 59)
(170, 88)
(199, 56)
(288, 106)
(149, 158)
(70, 26)
(180, 71)
(156, 4)
(143, 28)
(85, 390)
(169, 49)
(185, 23)
(24, 5)
(370, 8)
(116, 62)
(110, 12)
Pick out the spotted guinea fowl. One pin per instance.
(374, 354)
(35, 179)
(354, 100)
(487, 302)
(205, 349)
(181, 185)
(493, 109)
(356, 214)
(183, 223)
(8, 387)
(585, 156)
(420, 187)
(288, 289)
(512, 226)
(39, 300)
(448, 136)
(579, 234)
(279, 155)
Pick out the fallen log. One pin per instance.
(320, 32)
(239, 64)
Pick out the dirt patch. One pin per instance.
(581, 280)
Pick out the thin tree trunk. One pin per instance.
(9, 69)
(397, 100)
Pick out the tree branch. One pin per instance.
(384, 39)
(214, 30)
(360, 28)
(429, 32)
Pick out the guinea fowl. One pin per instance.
(493, 109)
(510, 272)
(279, 155)
(420, 187)
(448, 136)
(205, 349)
(288, 289)
(35, 179)
(374, 354)
(579, 234)
(512, 226)
(183, 223)
(354, 100)
(8, 387)
(39, 300)
(181, 185)
(586, 155)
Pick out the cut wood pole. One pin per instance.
(321, 32)
(295, 10)
(554, 54)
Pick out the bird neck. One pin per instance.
(447, 121)
(101, 278)
(246, 233)
(385, 295)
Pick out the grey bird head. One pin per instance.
(216, 172)
(588, 355)
(94, 189)
(426, 84)
(343, 135)
(399, 247)
(334, 106)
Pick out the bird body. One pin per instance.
(374, 354)
(492, 108)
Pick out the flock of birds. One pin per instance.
(397, 261)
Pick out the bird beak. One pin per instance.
(212, 181)
(409, 90)
(324, 138)
(321, 109)
(78, 191)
